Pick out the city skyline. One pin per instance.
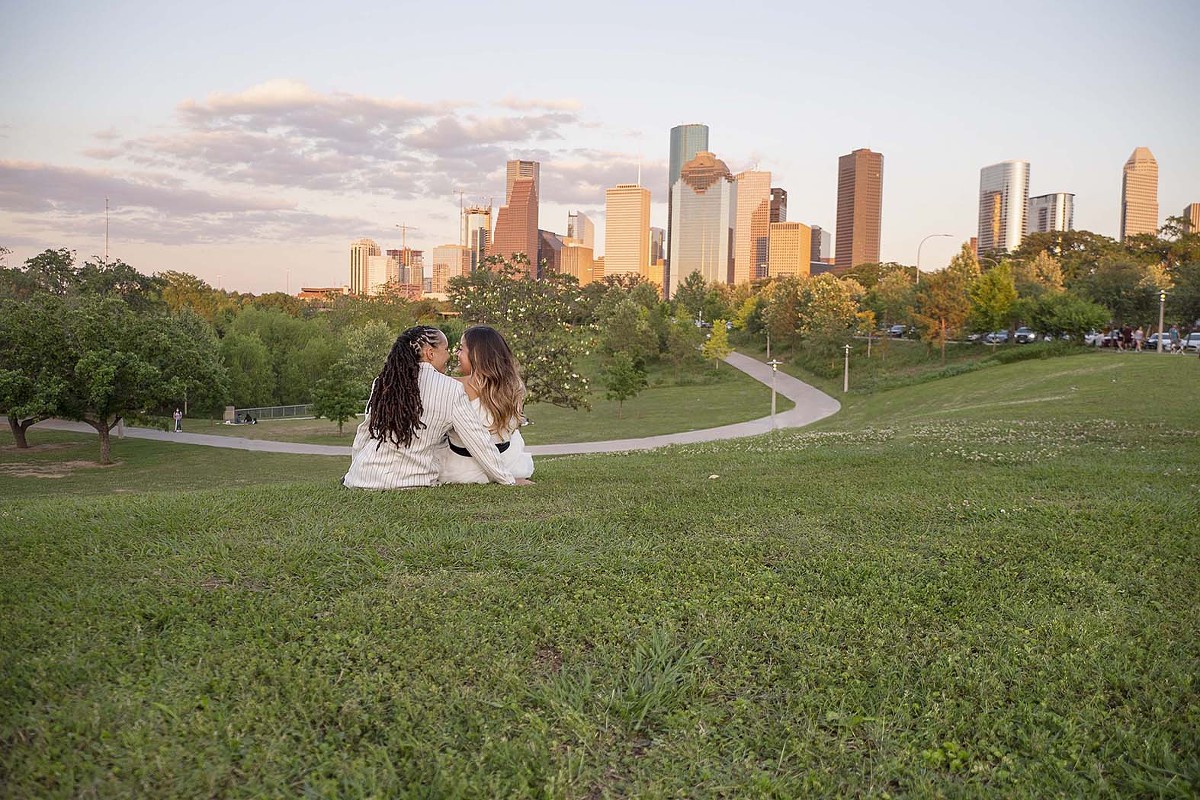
(249, 147)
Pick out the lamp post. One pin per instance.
(922, 244)
(774, 364)
(846, 372)
(1162, 303)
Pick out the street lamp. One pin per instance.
(846, 372)
(1162, 303)
(774, 365)
(923, 241)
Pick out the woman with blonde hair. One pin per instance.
(493, 384)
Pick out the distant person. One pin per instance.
(413, 405)
(178, 417)
(493, 382)
(1138, 337)
(1174, 337)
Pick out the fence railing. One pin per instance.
(274, 412)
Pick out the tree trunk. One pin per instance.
(943, 342)
(102, 427)
(19, 427)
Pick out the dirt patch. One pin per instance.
(548, 660)
(59, 469)
(39, 448)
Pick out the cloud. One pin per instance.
(153, 208)
(517, 104)
(285, 134)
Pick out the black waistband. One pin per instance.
(465, 453)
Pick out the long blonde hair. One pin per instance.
(496, 376)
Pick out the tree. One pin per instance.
(782, 311)
(624, 378)
(365, 349)
(123, 363)
(992, 297)
(828, 312)
(943, 302)
(31, 368)
(338, 396)
(692, 294)
(248, 364)
(683, 344)
(627, 330)
(1056, 313)
(892, 298)
(1125, 286)
(717, 346)
(534, 315)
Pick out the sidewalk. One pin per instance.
(811, 405)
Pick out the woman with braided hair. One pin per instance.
(413, 405)
(494, 386)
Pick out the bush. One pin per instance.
(1030, 352)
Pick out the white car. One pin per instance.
(1192, 342)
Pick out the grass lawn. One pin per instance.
(984, 586)
(706, 398)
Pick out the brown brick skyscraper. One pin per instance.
(517, 224)
(859, 208)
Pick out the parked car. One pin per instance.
(975, 337)
(1152, 342)
(996, 337)
(1024, 336)
(1192, 341)
(897, 331)
(1094, 338)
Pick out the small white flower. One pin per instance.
(713, 477)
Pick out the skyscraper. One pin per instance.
(1003, 204)
(1139, 194)
(1191, 217)
(686, 142)
(1051, 212)
(581, 228)
(751, 227)
(778, 204)
(477, 232)
(627, 231)
(449, 261)
(859, 208)
(550, 245)
(821, 242)
(380, 274)
(702, 216)
(516, 225)
(360, 274)
(522, 169)
(577, 259)
(791, 247)
(658, 245)
(406, 266)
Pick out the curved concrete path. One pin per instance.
(811, 405)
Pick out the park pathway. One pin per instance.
(811, 405)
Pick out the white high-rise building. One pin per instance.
(1003, 204)
(1052, 212)
(360, 274)
(752, 225)
(703, 203)
(627, 231)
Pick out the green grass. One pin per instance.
(980, 587)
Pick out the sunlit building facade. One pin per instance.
(577, 259)
(379, 270)
(778, 204)
(1139, 194)
(516, 225)
(752, 225)
(1003, 206)
(859, 208)
(449, 261)
(581, 228)
(790, 249)
(360, 277)
(522, 169)
(1051, 212)
(477, 232)
(686, 142)
(627, 231)
(1191, 218)
(703, 204)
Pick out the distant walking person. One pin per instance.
(1138, 336)
(178, 416)
(413, 405)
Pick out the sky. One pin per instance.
(249, 143)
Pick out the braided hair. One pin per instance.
(395, 406)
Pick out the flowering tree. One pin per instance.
(533, 315)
